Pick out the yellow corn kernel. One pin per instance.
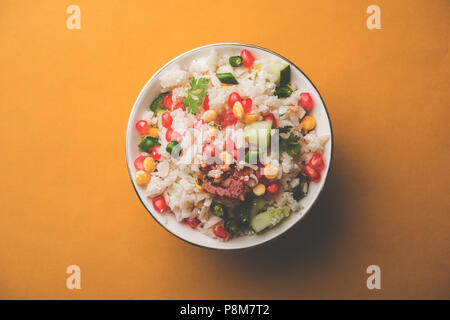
(149, 164)
(250, 118)
(153, 132)
(212, 131)
(270, 171)
(199, 187)
(226, 157)
(259, 190)
(210, 115)
(226, 86)
(308, 123)
(142, 178)
(238, 110)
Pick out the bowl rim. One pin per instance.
(237, 44)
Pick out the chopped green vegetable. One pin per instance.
(227, 78)
(148, 143)
(196, 94)
(292, 139)
(301, 189)
(281, 70)
(269, 218)
(285, 129)
(293, 149)
(218, 209)
(232, 226)
(236, 61)
(242, 212)
(258, 132)
(283, 91)
(174, 148)
(157, 103)
(253, 155)
(256, 205)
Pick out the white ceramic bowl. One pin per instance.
(182, 230)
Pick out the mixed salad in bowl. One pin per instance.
(229, 145)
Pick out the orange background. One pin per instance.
(66, 198)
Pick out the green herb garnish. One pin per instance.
(157, 103)
(290, 144)
(285, 129)
(196, 94)
(283, 92)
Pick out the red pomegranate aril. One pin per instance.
(166, 120)
(198, 124)
(271, 117)
(139, 162)
(229, 145)
(167, 101)
(247, 104)
(221, 232)
(159, 203)
(248, 58)
(142, 126)
(209, 150)
(233, 98)
(169, 133)
(206, 103)
(306, 101)
(316, 162)
(179, 105)
(156, 154)
(175, 136)
(193, 222)
(273, 188)
(228, 119)
(312, 173)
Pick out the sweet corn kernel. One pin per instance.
(238, 110)
(225, 86)
(210, 115)
(142, 178)
(199, 187)
(259, 190)
(270, 171)
(308, 123)
(212, 132)
(153, 132)
(149, 164)
(250, 118)
(226, 157)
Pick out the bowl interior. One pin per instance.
(182, 230)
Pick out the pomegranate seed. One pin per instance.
(273, 188)
(312, 173)
(306, 101)
(233, 98)
(167, 101)
(142, 126)
(221, 232)
(316, 162)
(193, 222)
(248, 58)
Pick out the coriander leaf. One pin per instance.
(196, 94)
(293, 149)
(285, 129)
(292, 139)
